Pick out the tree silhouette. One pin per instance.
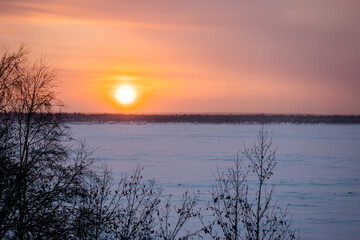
(40, 174)
(239, 213)
(169, 230)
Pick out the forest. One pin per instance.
(215, 118)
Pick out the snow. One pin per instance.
(317, 171)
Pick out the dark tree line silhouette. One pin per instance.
(50, 188)
(214, 118)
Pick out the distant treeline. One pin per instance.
(214, 118)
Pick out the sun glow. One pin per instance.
(125, 94)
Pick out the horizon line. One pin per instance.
(212, 113)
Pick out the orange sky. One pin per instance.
(196, 56)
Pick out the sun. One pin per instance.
(125, 94)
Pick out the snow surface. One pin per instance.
(317, 171)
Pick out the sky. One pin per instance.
(193, 56)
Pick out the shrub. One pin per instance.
(239, 213)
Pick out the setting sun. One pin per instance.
(125, 94)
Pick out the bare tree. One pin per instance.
(40, 174)
(135, 218)
(243, 214)
(169, 228)
(10, 71)
(97, 207)
(11, 68)
(122, 211)
(227, 202)
(263, 219)
(128, 210)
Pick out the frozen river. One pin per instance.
(318, 170)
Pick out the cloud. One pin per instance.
(47, 13)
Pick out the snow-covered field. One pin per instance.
(318, 169)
